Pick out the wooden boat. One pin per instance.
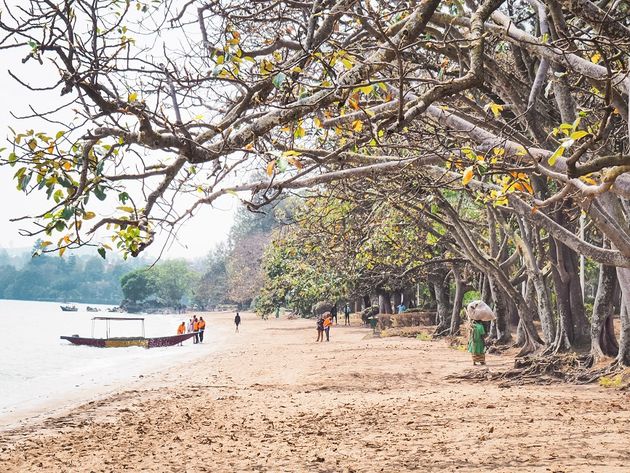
(92, 309)
(115, 342)
(69, 308)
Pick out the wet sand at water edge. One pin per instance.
(273, 400)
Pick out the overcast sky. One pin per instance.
(209, 227)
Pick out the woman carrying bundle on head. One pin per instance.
(476, 343)
(477, 312)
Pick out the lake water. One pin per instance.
(39, 369)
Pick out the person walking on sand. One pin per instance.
(320, 329)
(237, 321)
(346, 314)
(189, 329)
(327, 324)
(476, 343)
(202, 327)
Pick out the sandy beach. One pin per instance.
(273, 400)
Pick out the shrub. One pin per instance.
(321, 307)
(368, 312)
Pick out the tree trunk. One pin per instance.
(581, 337)
(623, 357)
(601, 323)
(367, 302)
(503, 334)
(397, 299)
(543, 302)
(460, 289)
(442, 296)
(384, 302)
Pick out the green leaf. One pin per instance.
(102, 252)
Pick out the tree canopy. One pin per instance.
(518, 107)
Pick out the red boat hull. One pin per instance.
(129, 341)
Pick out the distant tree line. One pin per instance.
(230, 274)
(87, 279)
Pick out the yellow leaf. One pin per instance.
(133, 96)
(51, 148)
(496, 109)
(357, 125)
(67, 165)
(88, 215)
(291, 152)
(62, 251)
(32, 144)
(270, 167)
(576, 135)
(317, 122)
(468, 175)
(595, 58)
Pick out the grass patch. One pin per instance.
(419, 333)
(612, 381)
(425, 337)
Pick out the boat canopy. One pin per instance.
(109, 319)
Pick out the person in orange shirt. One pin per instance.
(196, 329)
(202, 327)
(181, 329)
(327, 323)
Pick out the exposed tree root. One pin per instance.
(549, 369)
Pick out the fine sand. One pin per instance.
(273, 400)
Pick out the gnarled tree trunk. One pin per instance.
(603, 342)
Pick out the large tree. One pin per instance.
(172, 106)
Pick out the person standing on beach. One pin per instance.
(346, 314)
(476, 343)
(333, 313)
(202, 327)
(327, 323)
(237, 321)
(196, 329)
(181, 330)
(320, 329)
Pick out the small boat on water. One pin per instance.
(114, 342)
(69, 308)
(92, 309)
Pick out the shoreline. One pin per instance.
(273, 400)
(58, 404)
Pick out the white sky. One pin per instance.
(209, 227)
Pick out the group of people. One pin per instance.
(196, 326)
(325, 321)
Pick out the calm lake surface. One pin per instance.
(39, 369)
